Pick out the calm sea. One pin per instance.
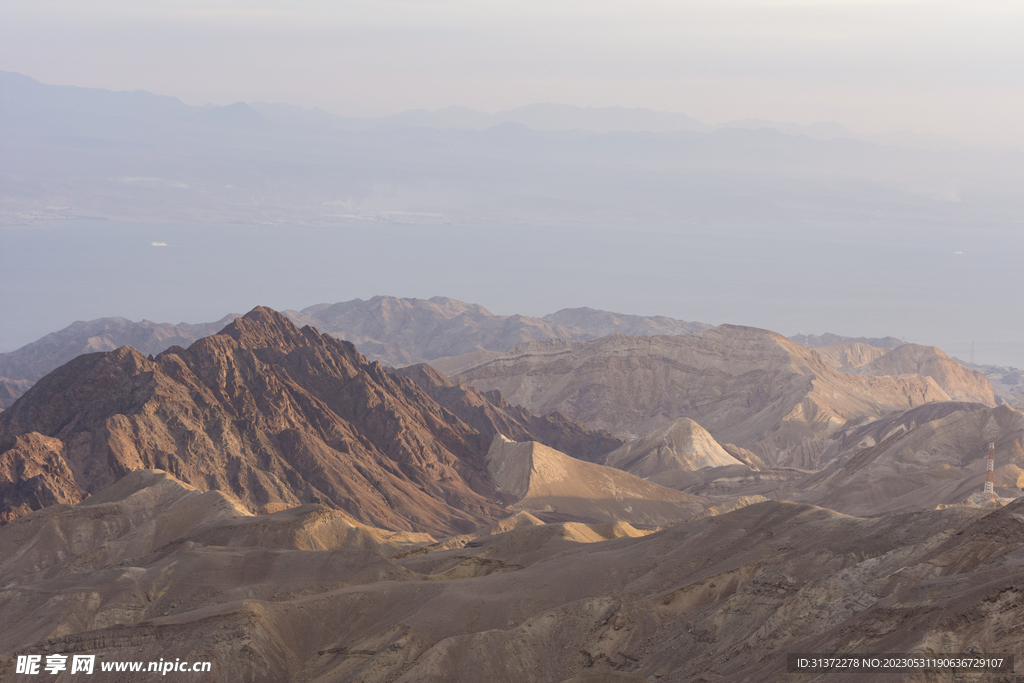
(929, 285)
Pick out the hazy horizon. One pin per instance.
(943, 67)
(456, 115)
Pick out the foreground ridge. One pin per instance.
(152, 568)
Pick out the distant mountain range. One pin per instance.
(33, 361)
(403, 331)
(388, 329)
(407, 331)
(84, 152)
(828, 339)
(726, 411)
(20, 93)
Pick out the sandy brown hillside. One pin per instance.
(921, 458)
(151, 569)
(931, 455)
(746, 386)
(961, 383)
(850, 355)
(913, 359)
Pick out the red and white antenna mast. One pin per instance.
(990, 475)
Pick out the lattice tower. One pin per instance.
(990, 475)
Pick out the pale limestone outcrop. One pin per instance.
(680, 445)
(545, 481)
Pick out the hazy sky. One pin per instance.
(951, 67)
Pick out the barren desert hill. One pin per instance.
(683, 456)
(402, 331)
(920, 458)
(850, 355)
(396, 330)
(815, 341)
(960, 382)
(934, 454)
(146, 510)
(1007, 381)
(680, 445)
(552, 485)
(593, 324)
(746, 386)
(913, 359)
(153, 569)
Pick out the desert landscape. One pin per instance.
(647, 507)
(511, 342)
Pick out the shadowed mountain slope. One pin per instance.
(490, 414)
(11, 390)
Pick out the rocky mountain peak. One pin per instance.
(265, 328)
(265, 411)
(273, 415)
